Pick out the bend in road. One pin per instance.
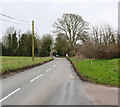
(53, 83)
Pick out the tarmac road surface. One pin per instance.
(53, 83)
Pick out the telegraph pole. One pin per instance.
(32, 40)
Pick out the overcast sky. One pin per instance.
(96, 12)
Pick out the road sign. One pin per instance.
(66, 54)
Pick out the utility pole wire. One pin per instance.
(37, 29)
(13, 22)
(14, 18)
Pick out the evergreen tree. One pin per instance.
(46, 45)
(14, 43)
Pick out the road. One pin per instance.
(53, 83)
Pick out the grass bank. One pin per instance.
(11, 63)
(100, 71)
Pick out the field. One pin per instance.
(13, 63)
(100, 71)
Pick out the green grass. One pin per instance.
(100, 71)
(12, 63)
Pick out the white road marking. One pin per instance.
(53, 65)
(48, 70)
(36, 78)
(9, 95)
(57, 63)
(74, 74)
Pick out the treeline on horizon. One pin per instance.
(16, 44)
(73, 36)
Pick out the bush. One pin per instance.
(100, 51)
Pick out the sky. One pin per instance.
(45, 13)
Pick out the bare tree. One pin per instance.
(5, 41)
(108, 34)
(103, 43)
(10, 30)
(103, 34)
(72, 26)
(9, 33)
(96, 34)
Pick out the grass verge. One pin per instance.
(100, 71)
(14, 64)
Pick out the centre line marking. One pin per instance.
(53, 65)
(36, 78)
(48, 70)
(9, 95)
